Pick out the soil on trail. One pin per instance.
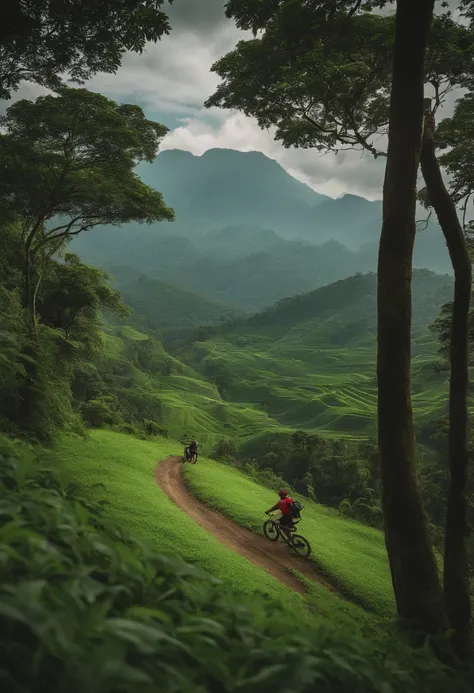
(275, 557)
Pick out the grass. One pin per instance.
(120, 469)
(350, 553)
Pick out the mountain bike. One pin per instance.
(189, 456)
(273, 531)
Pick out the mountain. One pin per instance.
(247, 233)
(226, 187)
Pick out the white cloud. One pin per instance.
(329, 174)
(171, 76)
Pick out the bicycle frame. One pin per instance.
(281, 531)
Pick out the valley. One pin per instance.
(264, 329)
(306, 363)
(235, 411)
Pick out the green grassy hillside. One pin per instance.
(350, 553)
(151, 383)
(88, 606)
(309, 361)
(121, 470)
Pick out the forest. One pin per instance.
(316, 344)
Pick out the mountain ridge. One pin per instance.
(244, 234)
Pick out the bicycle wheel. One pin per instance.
(301, 545)
(270, 530)
(194, 458)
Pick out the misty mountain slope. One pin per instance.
(224, 187)
(233, 204)
(248, 269)
(162, 305)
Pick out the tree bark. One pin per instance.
(413, 566)
(456, 568)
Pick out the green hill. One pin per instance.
(137, 379)
(306, 363)
(163, 305)
(309, 361)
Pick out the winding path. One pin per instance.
(275, 558)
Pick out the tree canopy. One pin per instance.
(72, 157)
(322, 81)
(455, 138)
(42, 41)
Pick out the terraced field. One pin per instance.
(193, 405)
(306, 363)
(300, 381)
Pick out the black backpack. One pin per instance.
(296, 508)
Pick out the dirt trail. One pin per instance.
(275, 558)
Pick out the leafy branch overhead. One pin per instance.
(322, 81)
(42, 41)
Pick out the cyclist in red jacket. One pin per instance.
(284, 505)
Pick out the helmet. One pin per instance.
(194, 442)
(282, 493)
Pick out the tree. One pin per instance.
(36, 376)
(322, 82)
(41, 40)
(72, 296)
(456, 568)
(321, 75)
(412, 562)
(68, 165)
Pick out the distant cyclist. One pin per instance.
(285, 506)
(191, 450)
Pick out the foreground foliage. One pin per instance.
(87, 608)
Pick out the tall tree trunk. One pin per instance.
(456, 579)
(413, 566)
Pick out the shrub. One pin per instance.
(99, 412)
(154, 429)
(224, 449)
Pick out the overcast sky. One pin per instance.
(172, 79)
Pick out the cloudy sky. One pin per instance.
(172, 79)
